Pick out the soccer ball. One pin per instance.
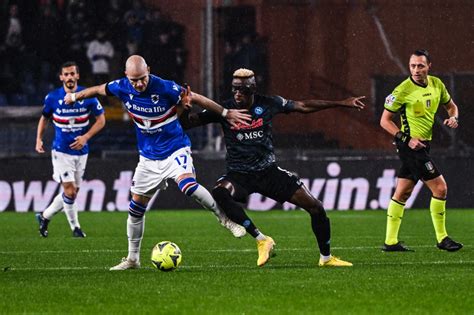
(166, 256)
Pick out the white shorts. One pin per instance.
(68, 168)
(151, 175)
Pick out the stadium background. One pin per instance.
(299, 49)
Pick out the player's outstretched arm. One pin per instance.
(80, 141)
(93, 91)
(42, 123)
(190, 120)
(233, 116)
(311, 106)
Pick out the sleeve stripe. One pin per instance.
(448, 101)
(107, 91)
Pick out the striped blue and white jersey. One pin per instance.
(71, 120)
(154, 114)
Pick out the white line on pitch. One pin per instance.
(252, 267)
(202, 250)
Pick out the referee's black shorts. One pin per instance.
(273, 182)
(416, 165)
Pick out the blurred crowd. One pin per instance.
(36, 37)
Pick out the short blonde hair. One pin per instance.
(243, 73)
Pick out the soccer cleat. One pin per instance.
(448, 244)
(126, 264)
(399, 247)
(265, 250)
(43, 224)
(78, 232)
(334, 262)
(234, 228)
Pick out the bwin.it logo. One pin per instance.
(258, 110)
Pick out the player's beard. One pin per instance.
(70, 84)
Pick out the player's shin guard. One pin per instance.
(135, 229)
(394, 220)
(55, 206)
(322, 230)
(438, 216)
(233, 210)
(70, 211)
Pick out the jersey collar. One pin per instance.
(416, 83)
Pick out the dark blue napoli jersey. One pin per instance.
(250, 147)
(153, 111)
(71, 120)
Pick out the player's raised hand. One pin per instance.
(39, 146)
(186, 97)
(451, 122)
(355, 102)
(79, 143)
(238, 117)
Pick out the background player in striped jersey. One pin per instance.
(163, 146)
(251, 163)
(417, 100)
(70, 148)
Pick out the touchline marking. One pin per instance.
(251, 267)
(244, 250)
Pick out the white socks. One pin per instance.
(54, 207)
(324, 258)
(59, 203)
(204, 198)
(135, 230)
(71, 212)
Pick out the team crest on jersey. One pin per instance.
(258, 110)
(389, 100)
(60, 102)
(155, 98)
(428, 103)
(131, 96)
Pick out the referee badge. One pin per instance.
(389, 100)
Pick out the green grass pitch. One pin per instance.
(219, 275)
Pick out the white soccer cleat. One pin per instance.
(234, 228)
(126, 264)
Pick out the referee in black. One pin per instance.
(251, 165)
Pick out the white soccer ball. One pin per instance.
(166, 256)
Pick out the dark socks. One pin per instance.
(234, 210)
(322, 230)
